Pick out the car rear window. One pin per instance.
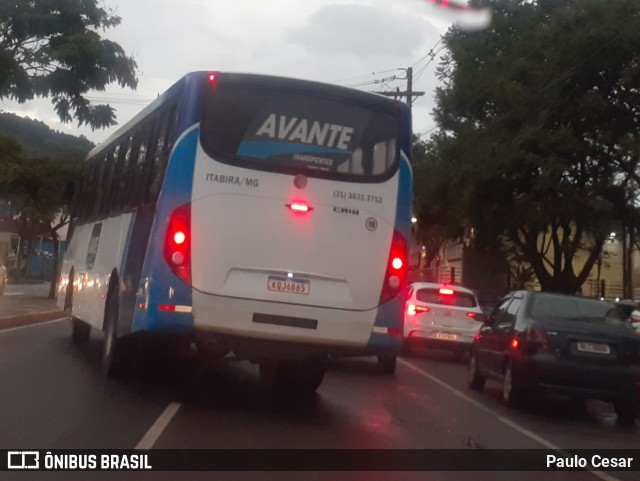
(457, 299)
(274, 129)
(549, 306)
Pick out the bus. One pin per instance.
(252, 215)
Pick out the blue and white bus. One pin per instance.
(261, 216)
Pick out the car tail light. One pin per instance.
(471, 314)
(445, 291)
(412, 309)
(536, 340)
(396, 274)
(177, 244)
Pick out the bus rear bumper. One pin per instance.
(257, 329)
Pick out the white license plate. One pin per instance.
(289, 284)
(594, 347)
(446, 336)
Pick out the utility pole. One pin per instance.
(409, 93)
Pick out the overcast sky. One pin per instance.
(348, 42)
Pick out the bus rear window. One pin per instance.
(288, 131)
(458, 299)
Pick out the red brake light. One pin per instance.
(445, 291)
(412, 309)
(179, 237)
(471, 315)
(301, 207)
(212, 78)
(177, 245)
(537, 340)
(514, 343)
(396, 274)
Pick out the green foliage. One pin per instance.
(538, 117)
(37, 138)
(52, 48)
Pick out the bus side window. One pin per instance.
(145, 159)
(81, 197)
(163, 145)
(89, 190)
(116, 176)
(107, 183)
(99, 184)
(138, 156)
(132, 186)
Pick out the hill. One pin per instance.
(38, 139)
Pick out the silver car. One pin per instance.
(441, 316)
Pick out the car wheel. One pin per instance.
(387, 364)
(116, 352)
(627, 411)
(511, 393)
(475, 379)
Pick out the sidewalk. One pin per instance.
(24, 304)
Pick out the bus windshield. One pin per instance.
(270, 129)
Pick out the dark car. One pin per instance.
(561, 344)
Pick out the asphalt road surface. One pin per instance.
(53, 396)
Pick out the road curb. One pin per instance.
(28, 319)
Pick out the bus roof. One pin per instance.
(195, 79)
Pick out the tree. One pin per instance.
(538, 145)
(52, 48)
(41, 183)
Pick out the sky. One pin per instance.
(365, 44)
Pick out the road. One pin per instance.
(54, 397)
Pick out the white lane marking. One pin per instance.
(154, 432)
(14, 293)
(513, 425)
(2, 331)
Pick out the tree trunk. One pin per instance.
(54, 278)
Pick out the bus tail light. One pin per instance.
(299, 207)
(396, 274)
(177, 244)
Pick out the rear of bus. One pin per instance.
(298, 223)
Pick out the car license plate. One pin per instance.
(594, 347)
(289, 284)
(446, 336)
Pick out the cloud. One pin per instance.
(363, 31)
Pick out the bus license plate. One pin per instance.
(594, 347)
(288, 284)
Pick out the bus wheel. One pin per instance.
(116, 352)
(294, 376)
(387, 364)
(80, 331)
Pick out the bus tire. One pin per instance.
(387, 364)
(293, 376)
(80, 331)
(116, 352)
(68, 295)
